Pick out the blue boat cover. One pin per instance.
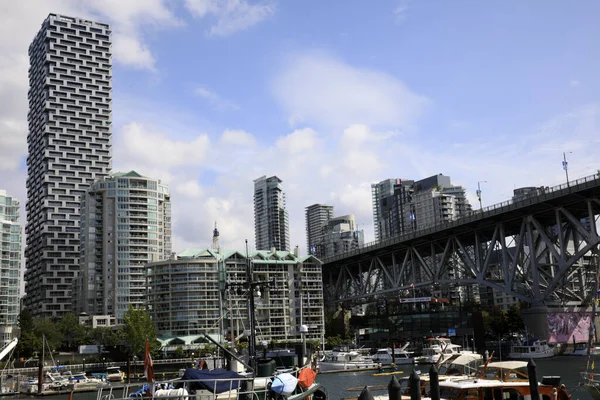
(207, 379)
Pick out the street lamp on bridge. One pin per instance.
(479, 194)
(565, 165)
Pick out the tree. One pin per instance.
(514, 319)
(104, 337)
(74, 334)
(46, 328)
(27, 339)
(137, 328)
(495, 322)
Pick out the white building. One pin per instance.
(125, 224)
(195, 293)
(317, 217)
(10, 266)
(271, 221)
(340, 235)
(69, 145)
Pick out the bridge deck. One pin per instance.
(575, 196)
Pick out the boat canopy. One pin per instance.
(508, 364)
(215, 381)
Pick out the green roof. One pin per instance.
(259, 256)
(130, 174)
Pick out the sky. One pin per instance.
(330, 96)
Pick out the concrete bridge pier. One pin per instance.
(536, 322)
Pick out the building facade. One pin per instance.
(125, 224)
(317, 217)
(340, 235)
(10, 266)
(192, 294)
(402, 206)
(271, 220)
(69, 147)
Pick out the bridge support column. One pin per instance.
(536, 322)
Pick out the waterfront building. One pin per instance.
(402, 206)
(10, 266)
(191, 294)
(69, 147)
(271, 221)
(125, 224)
(317, 217)
(340, 235)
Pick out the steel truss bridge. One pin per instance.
(538, 249)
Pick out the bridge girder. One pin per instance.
(539, 258)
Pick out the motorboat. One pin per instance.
(466, 364)
(114, 374)
(397, 356)
(439, 350)
(343, 359)
(481, 389)
(532, 348)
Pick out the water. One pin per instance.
(568, 367)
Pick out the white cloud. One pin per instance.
(315, 88)
(299, 141)
(216, 101)
(231, 15)
(156, 147)
(400, 11)
(238, 138)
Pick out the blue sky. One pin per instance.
(330, 96)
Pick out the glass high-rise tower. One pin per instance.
(10, 266)
(69, 143)
(271, 221)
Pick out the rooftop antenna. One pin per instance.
(215, 243)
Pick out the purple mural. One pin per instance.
(568, 327)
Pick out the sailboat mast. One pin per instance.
(251, 339)
(593, 316)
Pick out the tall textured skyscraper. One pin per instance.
(271, 221)
(125, 224)
(69, 144)
(10, 266)
(317, 217)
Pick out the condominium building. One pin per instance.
(195, 293)
(10, 266)
(271, 221)
(340, 235)
(402, 206)
(317, 217)
(69, 147)
(125, 224)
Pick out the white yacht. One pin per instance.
(342, 358)
(532, 349)
(398, 356)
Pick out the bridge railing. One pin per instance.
(538, 195)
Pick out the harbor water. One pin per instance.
(337, 384)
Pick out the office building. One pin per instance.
(10, 266)
(125, 224)
(271, 221)
(189, 295)
(317, 217)
(69, 147)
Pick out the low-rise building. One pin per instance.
(201, 291)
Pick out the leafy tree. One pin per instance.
(74, 334)
(179, 352)
(495, 322)
(46, 328)
(514, 319)
(27, 338)
(104, 337)
(332, 341)
(137, 328)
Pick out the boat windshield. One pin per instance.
(449, 393)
